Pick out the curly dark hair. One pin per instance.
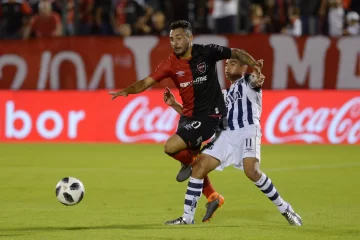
(181, 24)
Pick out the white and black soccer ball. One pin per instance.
(70, 191)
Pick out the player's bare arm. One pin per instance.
(134, 88)
(246, 58)
(170, 100)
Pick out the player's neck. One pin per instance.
(235, 78)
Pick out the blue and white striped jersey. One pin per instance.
(244, 104)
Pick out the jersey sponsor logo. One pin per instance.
(201, 67)
(200, 80)
(185, 84)
(232, 98)
(180, 74)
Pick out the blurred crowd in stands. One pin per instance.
(25, 19)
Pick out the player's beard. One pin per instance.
(182, 53)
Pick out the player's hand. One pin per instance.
(169, 97)
(260, 80)
(260, 63)
(256, 79)
(118, 93)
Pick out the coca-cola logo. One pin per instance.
(288, 123)
(139, 122)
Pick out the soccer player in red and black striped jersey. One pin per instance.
(192, 67)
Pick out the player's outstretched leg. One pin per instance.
(177, 149)
(186, 165)
(264, 183)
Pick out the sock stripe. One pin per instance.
(195, 189)
(273, 198)
(192, 197)
(193, 193)
(269, 189)
(188, 202)
(263, 183)
(195, 185)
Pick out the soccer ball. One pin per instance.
(70, 191)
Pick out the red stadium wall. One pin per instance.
(329, 117)
(97, 63)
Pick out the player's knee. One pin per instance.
(169, 149)
(252, 170)
(199, 170)
(253, 174)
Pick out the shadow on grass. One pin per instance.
(326, 231)
(5, 236)
(105, 227)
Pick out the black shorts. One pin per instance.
(196, 130)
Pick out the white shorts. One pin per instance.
(232, 146)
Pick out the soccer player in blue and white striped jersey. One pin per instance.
(238, 145)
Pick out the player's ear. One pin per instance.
(191, 37)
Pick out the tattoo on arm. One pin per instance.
(243, 57)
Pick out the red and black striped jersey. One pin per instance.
(197, 80)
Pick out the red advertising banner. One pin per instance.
(89, 63)
(325, 117)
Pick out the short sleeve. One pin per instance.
(162, 71)
(217, 52)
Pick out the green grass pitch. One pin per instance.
(131, 190)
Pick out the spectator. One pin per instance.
(177, 10)
(310, 11)
(158, 24)
(353, 26)
(224, 15)
(244, 20)
(56, 5)
(134, 16)
(277, 14)
(355, 6)
(46, 23)
(155, 4)
(14, 14)
(200, 14)
(103, 17)
(294, 28)
(257, 19)
(336, 16)
(85, 16)
(70, 15)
